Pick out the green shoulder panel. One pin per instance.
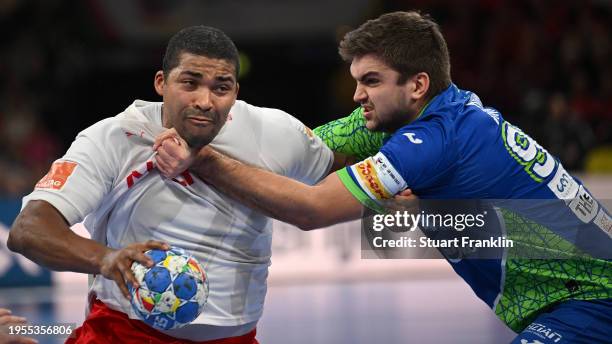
(349, 135)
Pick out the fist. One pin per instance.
(173, 154)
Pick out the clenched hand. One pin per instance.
(173, 154)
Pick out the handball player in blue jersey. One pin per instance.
(442, 143)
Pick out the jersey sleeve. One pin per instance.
(77, 182)
(291, 149)
(313, 159)
(349, 135)
(416, 157)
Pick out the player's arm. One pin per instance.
(74, 187)
(400, 164)
(347, 137)
(334, 199)
(305, 206)
(41, 233)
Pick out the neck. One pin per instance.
(163, 117)
(420, 107)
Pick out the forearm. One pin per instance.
(41, 234)
(305, 206)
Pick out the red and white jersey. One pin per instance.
(108, 177)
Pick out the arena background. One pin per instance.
(67, 64)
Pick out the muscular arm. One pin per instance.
(341, 161)
(41, 233)
(307, 207)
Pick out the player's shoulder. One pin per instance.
(259, 113)
(432, 130)
(473, 114)
(134, 120)
(101, 129)
(271, 120)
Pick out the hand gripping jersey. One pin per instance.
(458, 149)
(108, 177)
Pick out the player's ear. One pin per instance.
(158, 82)
(421, 85)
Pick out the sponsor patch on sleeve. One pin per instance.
(563, 185)
(389, 176)
(57, 175)
(378, 178)
(603, 221)
(584, 205)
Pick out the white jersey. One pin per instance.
(108, 178)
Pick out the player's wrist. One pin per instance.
(101, 258)
(206, 160)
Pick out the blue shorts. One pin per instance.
(572, 321)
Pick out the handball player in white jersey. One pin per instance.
(108, 178)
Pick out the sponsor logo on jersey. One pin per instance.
(563, 185)
(412, 137)
(369, 179)
(603, 221)
(136, 174)
(57, 175)
(537, 162)
(543, 332)
(389, 176)
(185, 179)
(584, 205)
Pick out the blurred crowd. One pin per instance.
(544, 64)
(41, 55)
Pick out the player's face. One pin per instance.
(387, 106)
(198, 95)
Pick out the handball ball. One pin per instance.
(173, 292)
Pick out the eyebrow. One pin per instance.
(221, 78)
(193, 74)
(367, 75)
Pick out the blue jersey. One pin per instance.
(459, 149)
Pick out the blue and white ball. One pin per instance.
(173, 292)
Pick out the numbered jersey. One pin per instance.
(458, 149)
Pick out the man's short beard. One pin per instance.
(392, 126)
(196, 142)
